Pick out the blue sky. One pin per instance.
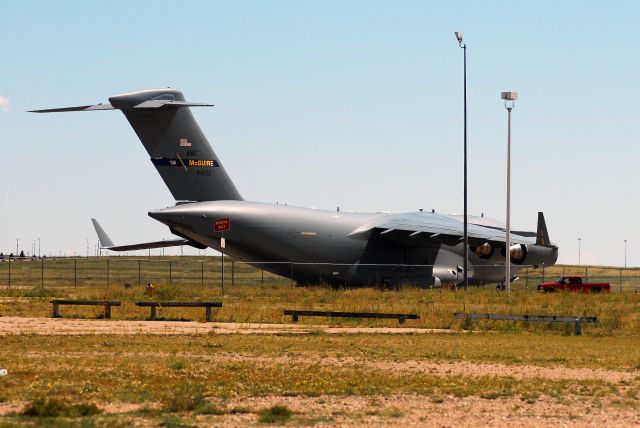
(353, 104)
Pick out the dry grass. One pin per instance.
(619, 313)
(207, 379)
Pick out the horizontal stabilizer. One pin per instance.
(162, 103)
(77, 108)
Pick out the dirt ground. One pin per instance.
(406, 411)
(70, 326)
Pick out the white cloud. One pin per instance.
(4, 104)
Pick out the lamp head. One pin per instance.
(459, 36)
(509, 95)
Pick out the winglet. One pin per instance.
(542, 236)
(105, 241)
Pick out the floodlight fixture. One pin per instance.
(459, 36)
(509, 95)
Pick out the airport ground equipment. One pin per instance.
(575, 284)
(543, 318)
(155, 305)
(331, 314)
(106, 303)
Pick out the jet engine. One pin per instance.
(445, 276)
(532, 254)
(483, 251)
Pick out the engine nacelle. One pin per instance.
(444, 276)
(483, 251)
(532, 254)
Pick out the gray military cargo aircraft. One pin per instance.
(307, 245)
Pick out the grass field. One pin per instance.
(507, 373)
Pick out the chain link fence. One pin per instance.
(225, 272)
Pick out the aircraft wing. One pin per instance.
(421, 227)
(107, 243)
(149, 245)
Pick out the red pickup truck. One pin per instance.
(573, 283)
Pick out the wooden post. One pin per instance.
(56, 310)
(107, 311)
(154, 312)
(208, 314)
(578, 326)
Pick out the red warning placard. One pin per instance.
(221, 224)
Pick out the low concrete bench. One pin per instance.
(106, 303)
(155, 305)
(400, 317)
(542, 318)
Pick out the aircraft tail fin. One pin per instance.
(176, 145)
(542, 235)
(104, 239)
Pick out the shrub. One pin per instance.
(188, 397)
(53, 408)
(276, 414)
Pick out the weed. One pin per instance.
(187, 397)
(277, 414)
(53, 408)
(175, 363)
(172, 421)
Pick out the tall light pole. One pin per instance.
(579, 248)
(465, 262)
(509, 98)
(625, 253)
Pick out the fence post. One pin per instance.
(42, 273)
(107, 271)
(139, 279)
(9, 272)
(621, 280)
(170, 272)
(222, 272)
(75, 273)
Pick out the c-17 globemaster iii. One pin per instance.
(305, 244)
